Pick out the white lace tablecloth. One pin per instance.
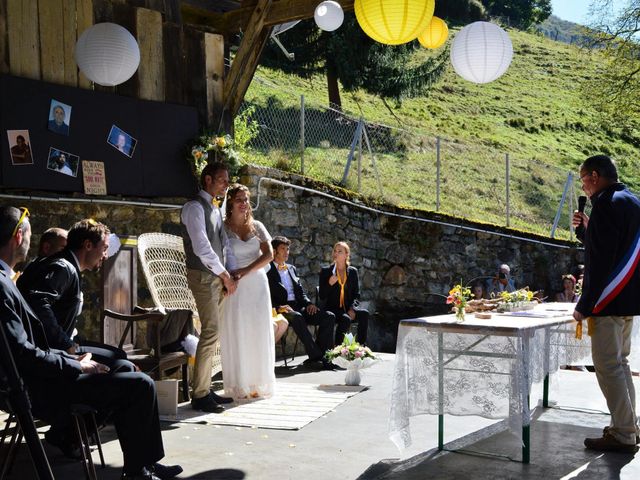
(502, 358)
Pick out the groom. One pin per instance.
(205, 244)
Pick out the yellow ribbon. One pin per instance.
(590, 327)
(341, 281)
(216, 202)
(283, 267)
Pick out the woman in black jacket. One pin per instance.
(340, 291)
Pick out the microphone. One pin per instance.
(582, 201)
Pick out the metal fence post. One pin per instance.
(437, 174)
(302, 134)
(507, 185)
(360, 158)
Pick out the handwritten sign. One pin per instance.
(95, 182)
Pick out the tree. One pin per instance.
(520, 13)
(349, 56)
(616, 89)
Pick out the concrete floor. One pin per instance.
(352, 442)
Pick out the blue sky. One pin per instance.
(574, 10)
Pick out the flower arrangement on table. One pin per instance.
(209, 148)
(352, 356)
(521, 299)
(458, 297)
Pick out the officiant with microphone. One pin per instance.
(609, 300)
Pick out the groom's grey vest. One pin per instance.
(214, 234)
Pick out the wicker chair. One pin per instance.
(163, 263)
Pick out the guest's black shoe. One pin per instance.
(165, 472)
(328, 365)
(66, 442)
(143, 474)
(206, 404)
(220, 399)
(312, 364)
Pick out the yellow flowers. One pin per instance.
(221, 142)
(522, 295)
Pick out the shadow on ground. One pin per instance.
(551, 458)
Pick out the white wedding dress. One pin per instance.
(246, 331)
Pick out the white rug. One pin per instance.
(293, 406)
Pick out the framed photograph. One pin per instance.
(20, 147)
(63, 162)
(122, 141)
(59, 117)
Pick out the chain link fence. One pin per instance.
(408, 168)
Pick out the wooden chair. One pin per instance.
(121, 316)
(151, 360)
(164, 265)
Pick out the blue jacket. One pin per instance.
(611, 284)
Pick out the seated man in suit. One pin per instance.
(56, 379)
(53, 289)
(289, 298)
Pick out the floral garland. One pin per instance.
(210, 148)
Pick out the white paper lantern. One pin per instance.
(107, 54)
(329, 15)
(481, 52)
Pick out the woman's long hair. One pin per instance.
(231, 195)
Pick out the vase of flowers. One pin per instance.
(352, 356)
(458, 297)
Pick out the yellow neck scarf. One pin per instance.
(341, 281)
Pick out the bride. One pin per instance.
(246, 333)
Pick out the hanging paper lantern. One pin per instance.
(435, 35)
(481, 52)
(329, 15)
(394, 21)
(107, 54)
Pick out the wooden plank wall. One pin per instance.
(178, 64)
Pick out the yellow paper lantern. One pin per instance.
(435, 35)
(394, 21)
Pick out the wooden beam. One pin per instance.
(151, 69)
(214, 71)
(84, 19)
(246, 59)
(24, 38)
(238, 20)
(69, 24)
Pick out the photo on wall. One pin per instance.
(63, 162)
(122, 141)
(20, 147)
(59, 117)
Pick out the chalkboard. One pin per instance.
(157, 167)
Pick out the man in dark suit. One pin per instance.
(290, 299)
(53, 289)
(56, 379)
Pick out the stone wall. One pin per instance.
(406, 264)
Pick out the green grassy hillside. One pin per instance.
(535, 113)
